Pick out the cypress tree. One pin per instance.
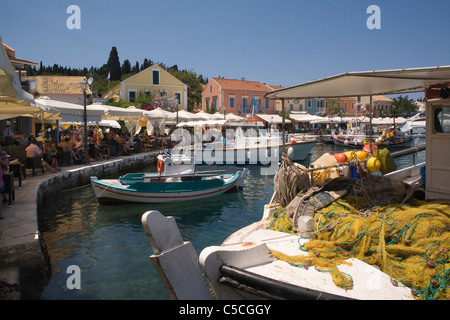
(114, 65)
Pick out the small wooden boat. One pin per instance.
(173, 183)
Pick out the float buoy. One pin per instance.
(340, 157)
(366, 147)
(361, 155)
(373, 164)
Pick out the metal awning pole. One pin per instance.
(282, 122)
(370, 125)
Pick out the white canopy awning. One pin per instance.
(71, 112)
(366, 83)
(306, 117)
(272, 118)
(117, 113)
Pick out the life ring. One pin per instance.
(160, 166)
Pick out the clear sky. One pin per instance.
(282, 42)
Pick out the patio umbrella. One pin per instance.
(217, 116)
(233, 117)
(202, 115)
(184, 115)
(159, 113)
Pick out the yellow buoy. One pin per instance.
(373, 164)
(350, 155)
(361, 155)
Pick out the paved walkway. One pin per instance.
(19, 235)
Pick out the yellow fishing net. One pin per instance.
(410, 243)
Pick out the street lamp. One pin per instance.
(84, 86)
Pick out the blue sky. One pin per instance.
(283, 42)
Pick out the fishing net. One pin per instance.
(409, 242)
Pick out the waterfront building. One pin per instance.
(157, 81)
(60, 88)
(237, 96)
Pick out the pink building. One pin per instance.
(237, 96)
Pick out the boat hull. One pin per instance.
(110, 192)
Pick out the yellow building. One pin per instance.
(155, 80)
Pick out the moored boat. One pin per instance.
(173, 183)
(359, 140)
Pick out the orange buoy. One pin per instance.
(361, 155)
(160, 166)
(340, 157)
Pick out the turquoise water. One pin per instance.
(111, 249)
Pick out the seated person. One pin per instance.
(33, 151)
(51, 154)
(66, 147)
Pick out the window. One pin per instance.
(132, 95)
(210, 88)
(215, 103)
(442, 119)
(245, 104)
(163, 93)
(207, 103)
(267, 104)
(309, 104)
(147, 92)
(231, 102)
(291, 107)
(155, 75)
(178, 98)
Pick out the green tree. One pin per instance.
(114, 64)
(403, 105)
(126, 67)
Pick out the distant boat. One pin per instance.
(415, 125)
(250, 145)
(170, 184)
(360, 140)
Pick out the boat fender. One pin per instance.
(160, 166)
(290, 153)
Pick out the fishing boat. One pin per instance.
(175, 181)
(312, 242)
(244, 143)
(387, 140)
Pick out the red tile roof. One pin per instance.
(242, 85)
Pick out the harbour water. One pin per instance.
(110, 247)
